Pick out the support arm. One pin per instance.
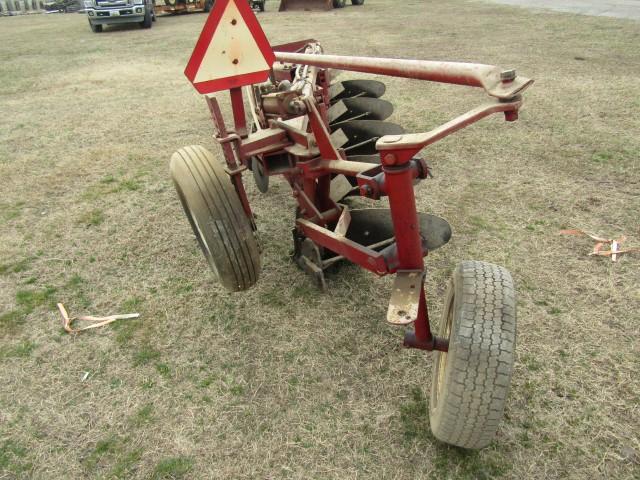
(497, 83)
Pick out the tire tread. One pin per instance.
(480, 357)
(213, 199)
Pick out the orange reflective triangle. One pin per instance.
(232, 49)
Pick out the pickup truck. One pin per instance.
(111, 12)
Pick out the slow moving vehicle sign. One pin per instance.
(232, 50)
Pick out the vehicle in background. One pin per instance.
(179, 6)
(310, 5)
(113, 12)
(61, 6)
(259, 4)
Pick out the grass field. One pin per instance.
(280, 381)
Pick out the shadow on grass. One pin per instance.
(448, 461)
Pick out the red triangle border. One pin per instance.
(202, 45)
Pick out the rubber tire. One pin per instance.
(468, 395)
(207, 6)
(95, 28)
(217, 218)
(146, 23)
(357, 2)
(261, 6)
(153, 16)
(339, 3)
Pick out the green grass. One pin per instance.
(22, 349)
(10, 320)
(92, 218)
(414, 416)
(172, 468)
(145, 355)
(126, 330)
(13, 459)
(143, 416)
(126, 465)
(11, 211)
(163, 369)
(113, 457)
(281, 381)
(32, 299)
(16, 267)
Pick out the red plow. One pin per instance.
(331, 140)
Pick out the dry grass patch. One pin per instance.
(280, 382)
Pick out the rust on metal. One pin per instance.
(405, 297)
(331, 139)
(459, 73)
(417, 141)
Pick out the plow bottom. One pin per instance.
(305, 5)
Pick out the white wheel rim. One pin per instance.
(442, 357)
(204, 243)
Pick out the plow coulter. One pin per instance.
(330, 140)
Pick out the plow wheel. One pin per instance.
(216, 215)
(261, 179)
(471, 381)
(358, 108)
(358, 137)
(356, 88)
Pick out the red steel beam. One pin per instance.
(359, 254)
(496, 82)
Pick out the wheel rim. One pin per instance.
(262, 180)
(442, 356)
(203, 242)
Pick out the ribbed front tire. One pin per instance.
(217, 218)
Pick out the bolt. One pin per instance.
(365, 190)
(296, 107)
(508, 75)
(511, 116)
(234, 21)
(235, 61)
(390, 159)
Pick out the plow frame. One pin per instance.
(304, 138)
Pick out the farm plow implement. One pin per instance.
(331, 140)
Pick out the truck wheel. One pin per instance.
(471, 381)
(261, 6)
(146, 23)
(95, 28)
(216, 215)
(338, 3)
(207, 6)
(357, 2)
